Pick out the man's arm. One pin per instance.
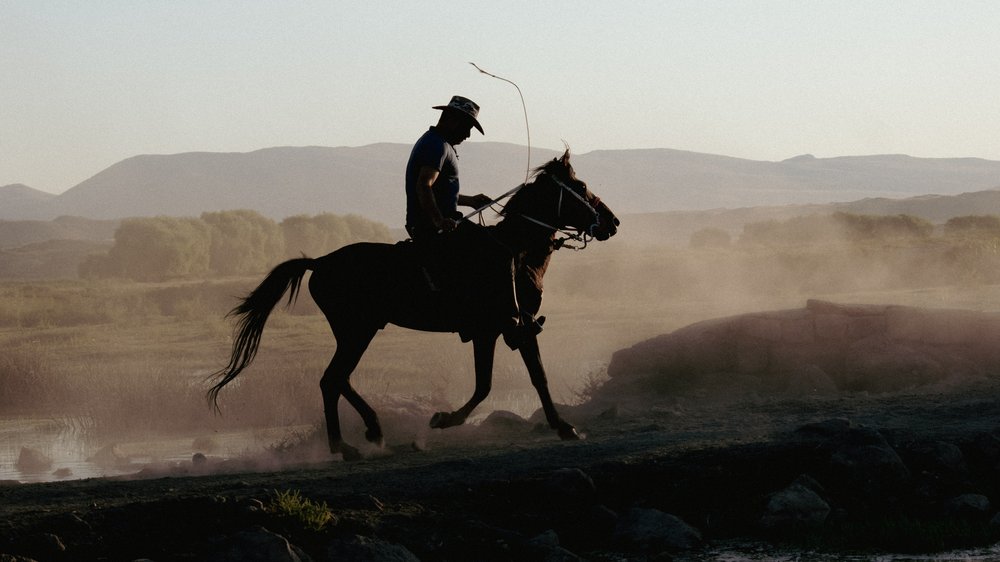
(425, 195)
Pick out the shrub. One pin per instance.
(290, 505)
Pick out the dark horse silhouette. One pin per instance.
(362, 287)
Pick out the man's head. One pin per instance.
(458, 118)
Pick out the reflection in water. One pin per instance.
(763, 552)
(63, 440)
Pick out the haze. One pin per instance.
(87, 85)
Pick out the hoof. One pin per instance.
(375, 437)
(349, 453)
(442, 420)
(568, 433)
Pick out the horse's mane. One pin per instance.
(552, 167)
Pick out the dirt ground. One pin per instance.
(497, 491)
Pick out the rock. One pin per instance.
(987, 448)
(32, 460)
(826, 429)
(611, 413)
(975, 506)
(653, 531)
(71, 523)
(871, 348)
(502, 420)
(257, 544)
(547, 538)
(62, 473)
(812, 484)
(110, 456)
(364, 548)
(868, 469)
(44, 546)
(940, 458)
(795, 508)
(570, 487)
(546, 547)
(199, 459)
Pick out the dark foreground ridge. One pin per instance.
(668, 482)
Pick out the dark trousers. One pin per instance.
(473, 266)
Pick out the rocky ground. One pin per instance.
(750, 451)
(910, 471)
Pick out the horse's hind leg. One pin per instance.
(484, 348)
(336, 383)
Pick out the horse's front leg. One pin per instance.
(484, 348)
(533, 361)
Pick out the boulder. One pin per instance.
(257, 544)
(939, 458)
(794, 508)
(110, 456)
(545, 546)
(869, 469)
(502, 420)
(653, 531)
(872, 348)
(972, 506)
(365, 548)
(569, 487)
(32, 460)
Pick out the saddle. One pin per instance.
(468, 274)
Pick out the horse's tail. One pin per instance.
(252, 314)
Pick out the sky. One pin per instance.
(84, 85)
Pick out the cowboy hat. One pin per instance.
(466, 106)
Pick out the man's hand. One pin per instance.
(446, 225)
(475, 201)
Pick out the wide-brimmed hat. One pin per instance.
(466, 106)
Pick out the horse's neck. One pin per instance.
(526, 240)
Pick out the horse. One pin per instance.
(362, 287)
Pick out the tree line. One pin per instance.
(223, 243)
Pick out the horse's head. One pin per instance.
(558, 199)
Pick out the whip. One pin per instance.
(527, 129)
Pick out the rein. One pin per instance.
(585, 236)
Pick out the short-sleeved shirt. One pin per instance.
(432, 150)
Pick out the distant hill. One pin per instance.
(14, 234)
(280, 182)
(20, 201)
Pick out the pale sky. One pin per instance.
(86, 84)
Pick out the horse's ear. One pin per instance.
(564, 160)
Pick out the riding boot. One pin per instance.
(518, 325)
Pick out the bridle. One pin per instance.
(586, 234)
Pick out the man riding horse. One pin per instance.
(446, 242)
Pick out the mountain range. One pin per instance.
(284, 181)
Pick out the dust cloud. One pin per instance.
(123, 366)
